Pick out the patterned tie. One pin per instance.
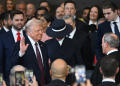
(18, 38)
(116, 29)
(42, 81)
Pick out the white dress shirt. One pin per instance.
(5, 29)
(34, 48)
(117, 23)
(108, 79)
(61, 41)
(72, 33)
(112, 51)
(15, 34)
(90, 22)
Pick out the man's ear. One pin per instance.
(50, 73)
(9, 76)
(106, 44)
(116, 11)
(117, 70)
(4, 21)
(100, 70)
(67, 73)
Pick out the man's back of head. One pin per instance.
(59, 69)
(109, 66)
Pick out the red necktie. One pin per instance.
(42, 81)
(18, 38)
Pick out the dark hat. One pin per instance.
(59, 29)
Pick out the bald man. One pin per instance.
(58, 73)
(59, 12)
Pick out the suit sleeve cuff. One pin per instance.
(21, 54)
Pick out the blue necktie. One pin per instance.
(116, 29)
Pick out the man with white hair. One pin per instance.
(31, 53)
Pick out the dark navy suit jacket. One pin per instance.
(6, 45)
(29, 59)
(68, 51)
(2, 30)
(81, 25)
(102, 29)
(84, 47)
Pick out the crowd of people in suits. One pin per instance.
(32, 38)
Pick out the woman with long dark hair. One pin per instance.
(47, 20)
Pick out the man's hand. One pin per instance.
(87, 83)
(35, 83)
(26, 82)
(23, 47)
(4, 84)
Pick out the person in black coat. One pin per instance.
(61, 46)
(58, 72)
(110, 42)
(83, 40)
(109, 68)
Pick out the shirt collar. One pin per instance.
(72, 33)
(31, 40)
(24, 28)
(61, 41)
(90, 22)
(112, 51)
(15, 32)
(74, 16)
(108, 79)
(5, 29)
(59, 79)
(117, 20)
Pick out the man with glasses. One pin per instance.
(111, 25)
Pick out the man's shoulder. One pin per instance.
(2, 30)
(56, 82)
(79, 21)
(81, 33)
(104, 23)
(6, 34)
(107, 83)
(116, 54)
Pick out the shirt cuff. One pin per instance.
(21, 54)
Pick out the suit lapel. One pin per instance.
(108, 27)
(31, 51)
(76, 35)
(66, 44)
(10, 37)
(54, 44)
(24, 33)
